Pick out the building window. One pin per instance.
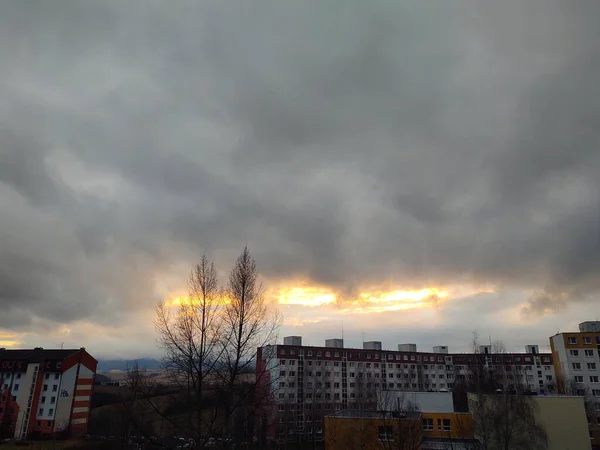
(427, 424)
(16, 388)
(596, 392)
(53, 400)
(578, 379)
(594, 379)
(47, 376)
(50, 412)
(309, 353)
(587, 340)
(447, 425)
(572, 340)
(576, 366)
(386, 433)
(589, 353)
(43, 399)
(591, 366)
(574, 352)
(18, 376)
(45, 388)
(38, 424)
(41, 412)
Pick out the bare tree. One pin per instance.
(190, 338)
(401, 422)
(503, 417)
(247, 325)
(507, 421)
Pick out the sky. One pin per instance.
(403, 171)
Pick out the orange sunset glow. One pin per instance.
(185, 300)
(8, 340)
(369, 301)
(306, 296)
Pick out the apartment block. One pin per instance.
(576, 357)
(45, 392)
(309, 382)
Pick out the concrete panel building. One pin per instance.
(576, 357)
(45, 392)
(307, 383)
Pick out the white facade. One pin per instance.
(578, 357)
(24, 396)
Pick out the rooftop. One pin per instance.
(355, 414)
(36, 354)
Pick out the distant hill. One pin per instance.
(106, 365)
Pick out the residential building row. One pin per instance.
(308, 383)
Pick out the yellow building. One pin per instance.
(373, 430)
(576, 357)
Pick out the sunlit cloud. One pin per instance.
(297, 322)
(8, 340)
(185, 300)
(306, 296)
(377, 302)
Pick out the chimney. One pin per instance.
(334, 343)
(293, 340)
(407, 347)
(372, 345)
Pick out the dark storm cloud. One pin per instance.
(351, 143)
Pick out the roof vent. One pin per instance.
(38, 348)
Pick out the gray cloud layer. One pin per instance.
(348, 142)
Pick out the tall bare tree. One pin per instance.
(190, 338)
(247, 324)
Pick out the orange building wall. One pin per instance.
(354, 433)
(461, 425)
